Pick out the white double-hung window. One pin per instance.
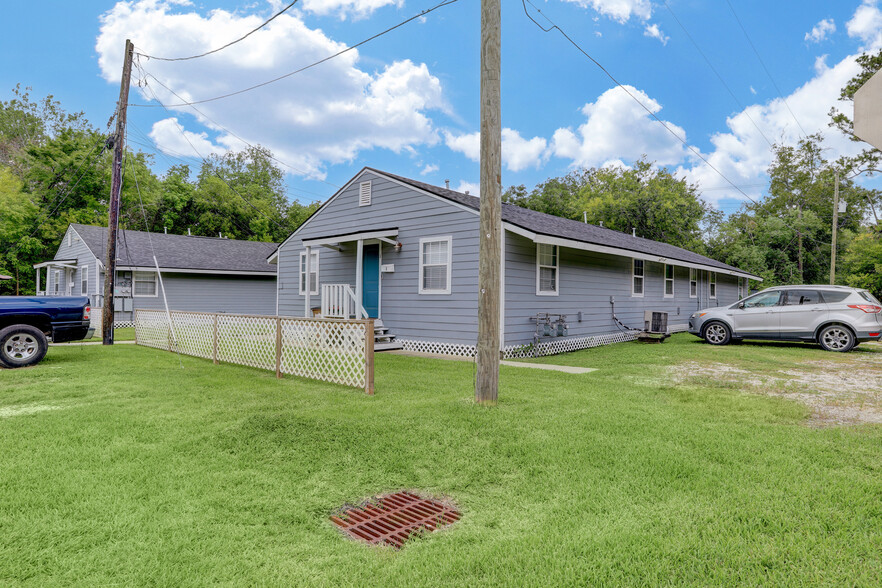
(547, 266)
(637, 277)
(313, 273)
(712, 284)
(693, 282)
(435, 265)
(144, 284)
(669, 281)
(84, 280)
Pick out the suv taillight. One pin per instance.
(868, 308)
(87, 312)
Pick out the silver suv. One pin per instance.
(835, 317)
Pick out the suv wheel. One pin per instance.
(717, 334)
(21, 346)
(836, 338)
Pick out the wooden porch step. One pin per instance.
(388, 346)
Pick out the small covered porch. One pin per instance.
(59, 277)
(348, 294)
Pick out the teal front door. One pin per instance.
(370, 280)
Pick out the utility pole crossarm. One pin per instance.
(115, 189)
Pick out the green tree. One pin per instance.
(862, 262)
(646, 198)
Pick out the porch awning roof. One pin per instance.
(72, 263)
(380, 234)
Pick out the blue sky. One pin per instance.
(408, 101)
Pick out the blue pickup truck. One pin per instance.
(27, 324)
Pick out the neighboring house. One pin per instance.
(206, 274)
(407, 252)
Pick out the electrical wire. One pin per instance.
(763, 63)
(220, 126)
(306, 67)
(629, 93)
(242, 38)
(713, 69)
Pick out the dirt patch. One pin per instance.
(844, 392)
(12, 411)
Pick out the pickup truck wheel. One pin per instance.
(21, 346)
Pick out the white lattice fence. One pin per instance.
(332, 350)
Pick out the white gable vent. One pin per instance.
(364, 194)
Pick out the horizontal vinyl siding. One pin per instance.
(76, 250)
(207, 293)
(587, 282)
(408, 314)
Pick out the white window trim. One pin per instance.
(693, 279)
(84, 277)
(666, 279)
(556, 291)
(300, 258)
(712, 285)
(56, 281)
(424, 240)
(642, 277)
(134, 287)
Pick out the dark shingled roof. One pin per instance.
(555, 226)
(180, 251)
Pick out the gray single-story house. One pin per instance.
(207, 274)
(406, 252)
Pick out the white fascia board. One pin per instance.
(179, 270)
(350, 237)
(546, 239)
(357, 178)
(66, 263)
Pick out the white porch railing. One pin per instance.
(339, 301)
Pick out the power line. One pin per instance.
(629, 93)
(763, 63)
(713, 69)
(243, 37)
(220, 126)
(212, 168)
(304, 68)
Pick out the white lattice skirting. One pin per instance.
(332, 350)
(545, 347)
(95, 321)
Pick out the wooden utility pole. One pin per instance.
(115, 189)
(835, 226)
(489, 281)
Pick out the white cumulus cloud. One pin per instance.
(518, 153)
(820, 31)
(470, 187)
(325, 115)
(619, 10)
(866, 25)
(347, 8)
(654, 32)
(617, 128)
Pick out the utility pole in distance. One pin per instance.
(487, 357)
(835, 226)
(115, 189)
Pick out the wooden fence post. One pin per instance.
(278, 347)
(369, 357)
(214, 341)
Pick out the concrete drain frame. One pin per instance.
(391, 519)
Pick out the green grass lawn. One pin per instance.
(120, 334)
(128, 465)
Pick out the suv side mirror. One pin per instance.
(741, 305)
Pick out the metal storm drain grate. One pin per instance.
(392, 519)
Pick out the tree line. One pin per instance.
(55, 170)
